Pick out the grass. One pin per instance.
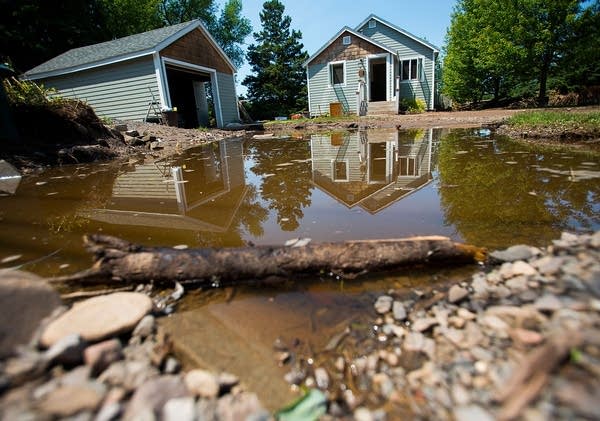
(560, 120)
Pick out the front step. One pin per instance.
(382, 108)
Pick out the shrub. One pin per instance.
(412, 105)
(21, 92)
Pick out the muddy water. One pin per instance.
(465, 184)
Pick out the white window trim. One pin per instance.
(347, 40)
(340, 180)
(330, 74)
(421, 72)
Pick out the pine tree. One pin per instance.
(278, 83)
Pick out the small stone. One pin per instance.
(363, 414)
(517, 283)
(322, 378)
(548, 265)
(128, 374)
(340, 364)
(460, 395)
(481, 367)
(68, 350)
(522, 268)
(151, 397)
(202, 383)
(511, 254)
(179, 409)
(132, 133)
(99, 317)
(457, 293)
(415, 341)
(383, 304)
(109, 412)
(172, 366)
(472, 413)
(145, 327)
(525, 336)
(350, 399)
(283, 357)
(69, 400)
(494, 322)
(383, 385)
(457, 322)
(465, 314)
(242, 406)
(399, 311)
(99, 356)
(548, 303)
(227, 381)
(421, 325)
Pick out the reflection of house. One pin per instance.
(172, 66)
(200, 191)
(371, 170)
(371, 67)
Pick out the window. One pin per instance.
(337, 73)
(411, 69)
(340, 170)
(346, 40)
(372, 23)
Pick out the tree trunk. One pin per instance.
(542, 98)
(123, 262)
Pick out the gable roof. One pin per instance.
(399, 30)
(336, 36)
(119, 49)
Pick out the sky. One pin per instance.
(319, 20)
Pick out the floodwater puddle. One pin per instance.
(465, 184)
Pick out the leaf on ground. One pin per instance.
(309, 407)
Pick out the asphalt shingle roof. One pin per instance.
(109, 49)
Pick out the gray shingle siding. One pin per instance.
(406, 47)
(117, 91)
(228, 98)
(322, 93)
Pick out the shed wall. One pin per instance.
(228, 98)
(119, 91)
(322, 93)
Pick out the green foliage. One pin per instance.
(562, 120)
(173, 12)
(413, 105)
(127, 17)
(231, 29)
(310, 407)
(278, 83)
(26, 92)
(496, 49)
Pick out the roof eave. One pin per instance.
(336, 36)
(398, 29)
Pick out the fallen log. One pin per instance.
(120, 261)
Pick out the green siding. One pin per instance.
(406, 47)
(227, 98)
(321, 93)
(119, 91)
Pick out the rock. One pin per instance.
(415, 341)
(145, 327)
(321, 378)
(548, 303)
(494, 322)
(69, 400)
(67, 350)
(109, 412)
(242, 406)
(517, 283)
(522, 268)
(363, 414)
(525, 336)
(399, 311)
(128, 374)
(227, 381)
(99, 317)
(457, 293)
(153, 395)
(132, 133)
(472, 413)
(179, 409)
(421, 325)
(383, 385)
(460, 395)
(202, 383)
(121, 127)
(25, 300)
(383, 304)
(511, 254)
(99, 356)
(463, 313)
(172, 366)
(548, 265)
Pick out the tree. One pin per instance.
(493, 47)
(278, 83)
(127, 17)
(231, 30)
(173, 12)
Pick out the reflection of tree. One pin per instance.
(289, 190)
(248, 218)
(496, 204)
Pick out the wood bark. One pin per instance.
(118, 260)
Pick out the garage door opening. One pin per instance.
(191, 94)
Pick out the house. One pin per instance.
(371, 170)
(137, 76)
(369, 69)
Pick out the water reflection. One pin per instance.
(371, 170)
